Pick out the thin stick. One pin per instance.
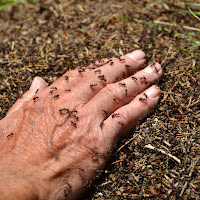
(149, 146)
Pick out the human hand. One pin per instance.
(60, 135)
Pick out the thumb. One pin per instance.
(38, 84)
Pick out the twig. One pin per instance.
(169, 24)
(149, 146)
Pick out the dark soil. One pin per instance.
(48, 38)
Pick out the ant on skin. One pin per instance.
(156, 69)
(64, 111)
(115, 100)
(56, 96)
(126, 92)
(95, 154)
(145, 95)
(54, 88)
(127, 66)
(81, 70)
(117, 79)
(81, 169)
(101, 124)
(93, 85)
(111, 63)
(122, 59)
(34, 98)
(10, 135)
(97, 71)
(65, 192)
(122, 84)
(115, 115)
(105, 112)
(134, 78)
(74, 116)
(142, 99)
(73, 123)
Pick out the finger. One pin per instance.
(112, 70)
(37, 85)
(115, 95)
(128, 115)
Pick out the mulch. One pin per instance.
(160, 157)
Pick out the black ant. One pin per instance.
(93, 85)
(56, 96)
(74, 116)
(73, 123)
(115, 115)
(142, 99)
(127, 66)
(145, 95)
(10, 135)
(97, 71)
(126, 92)
(34, 98)
(134, 78)
(81, 169)
(121, 59)
(101, 124)
(122, 84)
(105, 112)
(54, 88)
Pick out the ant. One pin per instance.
(34, 98)
(105, 112)
(10, 135)
(145, 95)
(92, 85)
(122, 84)
(101, 124)
(126, 92)
(121, 123)
(56, 96)
(127, 66)
(73, 123)
(54, 88)
(142, 99)
(97, 71)
(115, 115)
(134, 78)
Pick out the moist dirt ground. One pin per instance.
(160, 157)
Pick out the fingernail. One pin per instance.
(153, 68)
(35, 84)
(153, 91)
(136, 55)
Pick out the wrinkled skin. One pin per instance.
(60, 136)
